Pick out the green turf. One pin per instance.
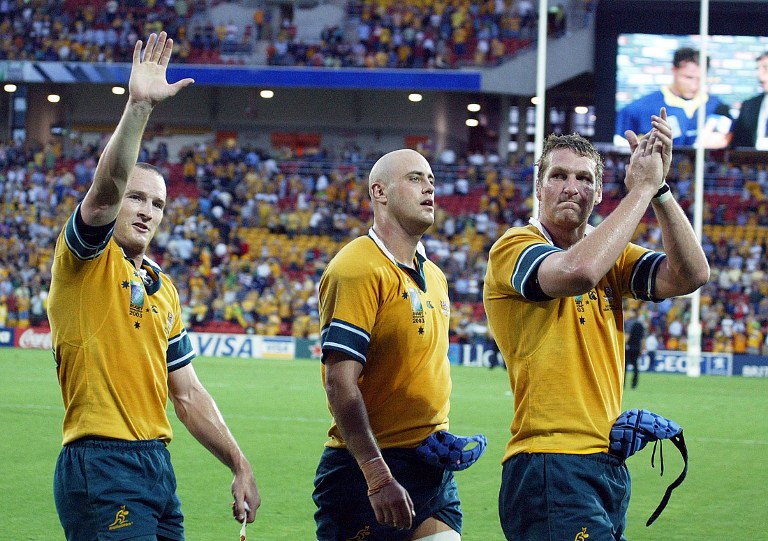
(276, 409)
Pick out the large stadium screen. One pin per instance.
(645, 80)
(635, 41)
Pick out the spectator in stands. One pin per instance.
(559, 282)
(682, 103)
(634, 331)
(751, 126)
(102, 249)
(385, 317)
(651, 346)
(3, 310)
(556, 20)
(494, 359)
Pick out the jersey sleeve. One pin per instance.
(639, 270)
(349, 301)
(84, 241)
(180, 351)
(513, 265)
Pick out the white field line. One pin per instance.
(724, 441)
(728, 441)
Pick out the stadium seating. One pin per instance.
(279, 250)
(408, 35)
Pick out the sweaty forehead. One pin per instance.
(398, 164)
(147, 182)
(414, 163)
(568, 160)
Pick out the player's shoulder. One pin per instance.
(362, 245)
(356, 258)
(527, 232)
(167, 282)
(515, 240)
(431, 267)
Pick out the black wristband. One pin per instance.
(660, 194)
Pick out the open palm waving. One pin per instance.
(148, 82)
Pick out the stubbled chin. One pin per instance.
(133, 245)
(569, 217)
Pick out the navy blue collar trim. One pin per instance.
(150, 274)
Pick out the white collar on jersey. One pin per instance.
(537, 224)
(419, 247)
(149, 272)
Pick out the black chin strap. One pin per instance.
(679, 442)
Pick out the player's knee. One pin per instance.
(448, 535)
(434, 529)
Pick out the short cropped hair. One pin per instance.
(575, 143)
(685, 54)
(149, 167)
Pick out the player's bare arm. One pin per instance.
(147, 87)
(580, 267)
(686, 268)
(197, 410)
(390, 501)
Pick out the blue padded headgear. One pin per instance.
(450, 452)
(634, 429)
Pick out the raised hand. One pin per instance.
(646, 165)
(148, 73)
(663, 133)
(655, 146)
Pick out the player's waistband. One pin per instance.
(602, 457)
(98, 442)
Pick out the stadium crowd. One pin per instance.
(389, 34)
(415, 35)
(247, 235)
(105, 31)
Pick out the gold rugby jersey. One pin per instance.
(564, 356)
(116, 333)
(394, 321)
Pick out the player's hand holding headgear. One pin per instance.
(634, 429)
(451, 452)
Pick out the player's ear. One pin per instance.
(378, 193)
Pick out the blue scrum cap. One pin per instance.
(451, 452)
(634, 429)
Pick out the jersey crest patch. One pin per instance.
(416, 307)
(169, 325)
(137, 299)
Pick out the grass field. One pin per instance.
(276, 409)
